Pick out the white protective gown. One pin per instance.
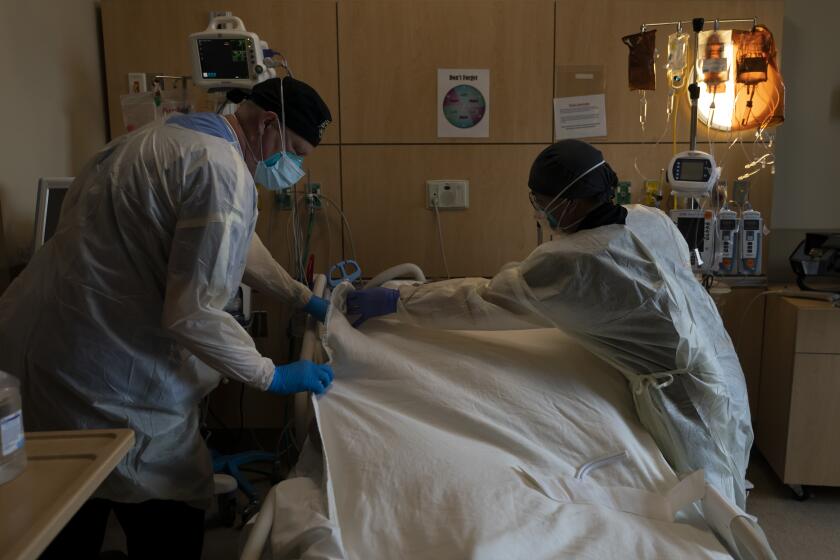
(117, 321)
(627, 293)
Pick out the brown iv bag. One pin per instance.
(760, 92)
(640, 62)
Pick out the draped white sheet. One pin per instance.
(434, 440)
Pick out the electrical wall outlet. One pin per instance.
(450, 194)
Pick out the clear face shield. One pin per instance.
(562, 215)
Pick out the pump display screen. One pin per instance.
(692, 231)
(751, 225)
(224, 59)
(692, 170)
(728, 225)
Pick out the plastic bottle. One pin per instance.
(12, 452)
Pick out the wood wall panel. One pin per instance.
(390, 52)
(152, 36)
(322, 166)
(384, 197)
(589, 33)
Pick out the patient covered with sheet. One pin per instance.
(441, 444)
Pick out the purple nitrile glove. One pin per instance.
(372, 302)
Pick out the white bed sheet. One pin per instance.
(426, 433)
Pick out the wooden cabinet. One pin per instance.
(742, 311)
(799, 400)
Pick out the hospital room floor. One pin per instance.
(807, 530)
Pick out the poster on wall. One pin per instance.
(463, 103)
(580, 116)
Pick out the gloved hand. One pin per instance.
(317, 307)
(301, 376)
(372, 302)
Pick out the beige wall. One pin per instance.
(808, 150)
(52, 98)
(807, 193)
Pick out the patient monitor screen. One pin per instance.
(692, 230)
(225, 59)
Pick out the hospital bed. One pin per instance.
(441, 444)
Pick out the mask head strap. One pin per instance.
(575, 180)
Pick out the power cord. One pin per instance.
(440, 235)
(344, 221)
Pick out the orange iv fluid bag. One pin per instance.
(753, 94)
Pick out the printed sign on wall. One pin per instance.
(463, 103)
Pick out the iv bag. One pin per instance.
(715, 61)
(753, 55)
(759, 91)
(677, 59)
(640, 61)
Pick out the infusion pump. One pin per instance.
(698, 228)
(227, 56)
(752, 233)
(728, 225)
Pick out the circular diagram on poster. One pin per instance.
(464, 106)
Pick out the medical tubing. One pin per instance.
(601, 462)
(309, 228)
(345, 222)
(440, 236)
(401, 270)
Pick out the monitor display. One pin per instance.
(692, 231)
(55, 197)
(728, 225)
(692, 169)
(224, 59)
(751, 225)
(51, 193)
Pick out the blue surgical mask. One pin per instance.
(280, 171)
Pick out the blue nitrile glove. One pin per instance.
(317, 307)
(372, 302)
(301, 376)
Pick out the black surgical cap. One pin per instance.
(563, 162)
(306, 112)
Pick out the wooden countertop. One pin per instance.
(63, 470)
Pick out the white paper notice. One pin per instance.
(583, 116)
(463, 103)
